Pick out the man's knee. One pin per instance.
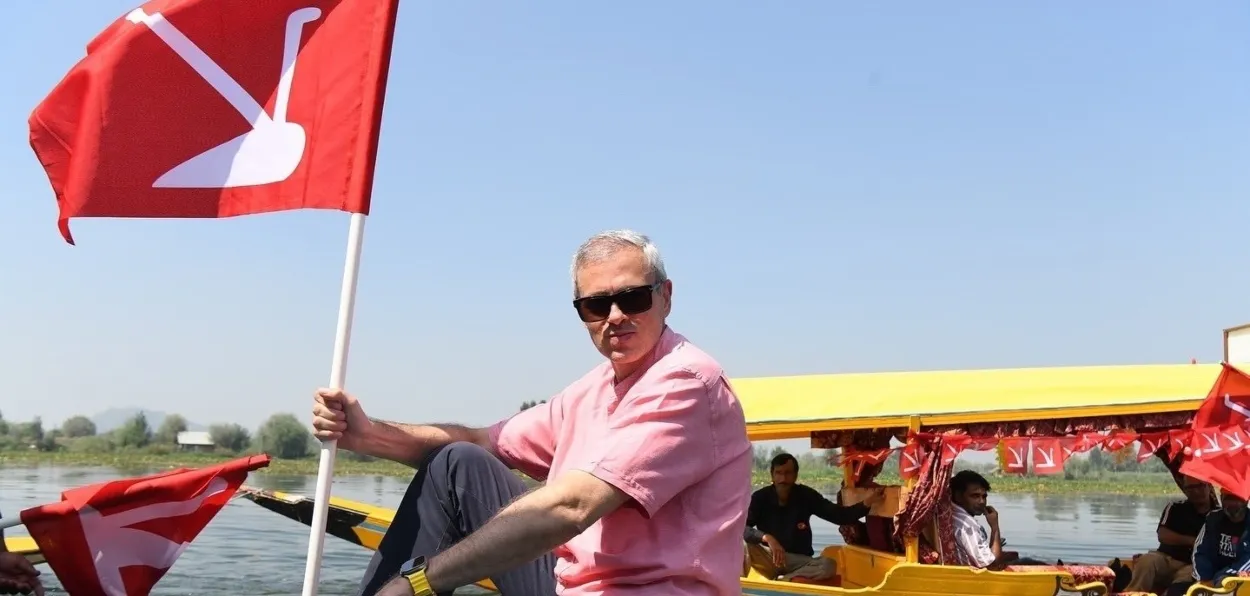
(1152, 561)
(464, 464)
(462, 453)
(1183, 574)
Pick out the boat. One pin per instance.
(926, 412)
(1077, 408)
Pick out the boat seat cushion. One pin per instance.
(1081, 574)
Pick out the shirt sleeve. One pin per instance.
(1166, 516)
(968, 536)
(527, 440)
(658, 441)
(1206, 547)
(752, 534)
(834, 513)
(1175, 521)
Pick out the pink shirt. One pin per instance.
(673, 437)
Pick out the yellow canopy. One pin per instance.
(793, 407)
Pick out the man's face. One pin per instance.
(1232, 504)
(624, 334)
(784, 476)
(1195, 490)
(973, 500)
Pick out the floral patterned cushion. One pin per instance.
(1081, 574)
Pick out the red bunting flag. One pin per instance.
(1088, 441)
(1178, 441)
(1048, 456)
(1017, 456)
(910, 460)
(1117, 440)
(953, 445)
(219, 108)
(1149, 443)
(120, 537)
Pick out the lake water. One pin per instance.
(249, 550)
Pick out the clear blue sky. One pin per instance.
(836, 186)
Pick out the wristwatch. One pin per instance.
(414, 571)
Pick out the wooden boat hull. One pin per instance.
(863, 571)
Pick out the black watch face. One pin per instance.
(412, 566)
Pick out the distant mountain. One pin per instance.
(113, 418)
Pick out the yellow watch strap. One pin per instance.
(420, 585)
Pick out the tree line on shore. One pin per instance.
(282, 436)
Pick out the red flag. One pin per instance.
(1017, 461)
(953, 445)
(910, 459)
(1118, 439)
(1088, 441)
(1150, 443)
(1178, 440)
(119, 538)
(1048, 456)
(219, 108)
(1217, 448)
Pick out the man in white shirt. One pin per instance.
(970, 491)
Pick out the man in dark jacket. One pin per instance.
(779, 531)
(1223, 545)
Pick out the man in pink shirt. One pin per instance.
(645, 462)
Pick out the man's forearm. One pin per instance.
(996, 543)
(525, 530)
(1170, 536)
(409, 443)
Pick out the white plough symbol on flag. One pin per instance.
(269, 152)
(115, 545)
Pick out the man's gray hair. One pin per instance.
(605, 244)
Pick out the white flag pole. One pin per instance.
(361, 190)
(11, 522)
(338, 375)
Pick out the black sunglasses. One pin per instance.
(631, 301)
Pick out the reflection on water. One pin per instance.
(248, 550)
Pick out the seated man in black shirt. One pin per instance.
(1178, 528)
(779, 532)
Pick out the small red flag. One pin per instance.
(910, 460)
(1048, 456)
(1150, 443)
(220, 108)
(119, 538)
(1017, 460)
